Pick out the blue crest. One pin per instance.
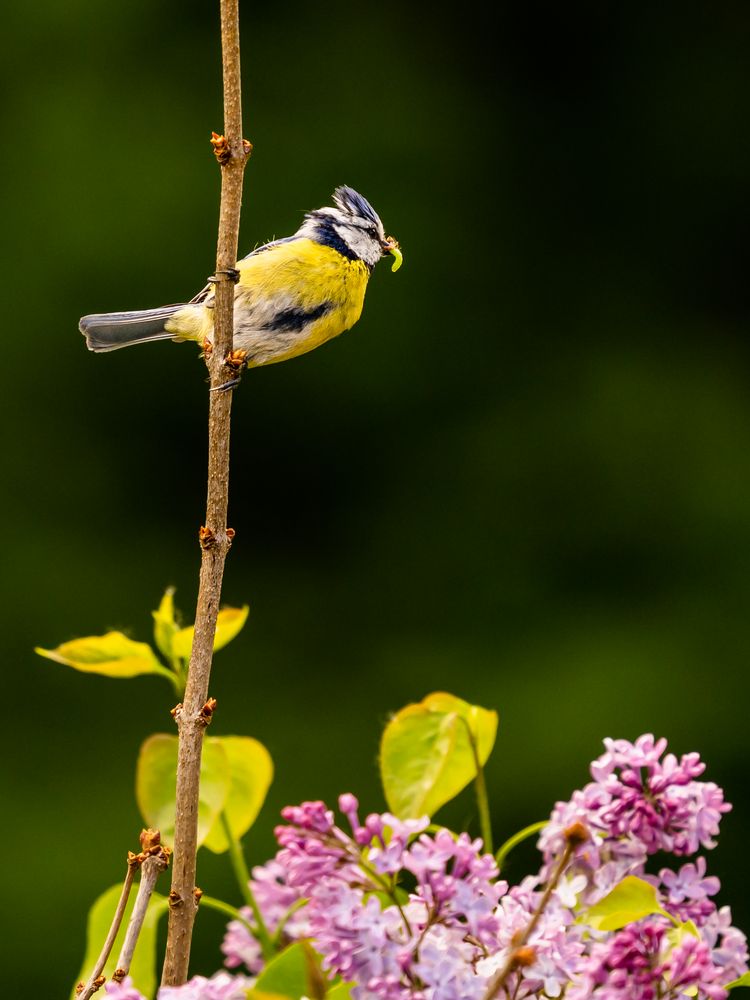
(349, 201)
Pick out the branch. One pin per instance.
(215, 538)
(521, 954)
(151, 869)
(150, 846)
(96, 979)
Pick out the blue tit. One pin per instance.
(292, 295)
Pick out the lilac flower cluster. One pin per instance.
(222, 986)
(401, 912)
(637, 963)
(640, 802)
(366, 929)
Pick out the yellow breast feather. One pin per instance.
(290, 298)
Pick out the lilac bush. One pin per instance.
(398, 909)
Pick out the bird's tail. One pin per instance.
(110, 331)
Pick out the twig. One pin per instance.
(150, 846)
(151, 869)
(520, 954)
(215, 538)
(96, 979)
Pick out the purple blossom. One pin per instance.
(688, 889)
(557, 943)
(640, 962)
(342, 888)
(689, 968)
(446, 967)
(727, 943)
(122, 991)
(625, 966)
(222, 986)
(657, 801)
(276, 900)
(641, 801)
(358, 939)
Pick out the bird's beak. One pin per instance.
(390, 245)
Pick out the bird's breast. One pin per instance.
(293, 304)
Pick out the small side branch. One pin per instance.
(521, 953)
(84, 991)
(152, 867)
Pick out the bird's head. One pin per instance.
(352, 227)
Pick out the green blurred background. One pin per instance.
(523, 478)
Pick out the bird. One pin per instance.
(291, 295)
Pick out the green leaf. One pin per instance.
(677, 934)
(426, 754)
(165, 625)
(630, 900)
(156, 773)
(113, 655)
(143, 967)
(341, 992)
(292, 974)
(742, 981)
(228, 625)
(250, 772)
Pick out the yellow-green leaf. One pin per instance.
(292, 974)
(156, 773)
(228, 624)
(427, 756)
(250, 775)
(113, 655)
(143, 967)
(630, 900)
(742, 981)
(165, 625)
(341, 992)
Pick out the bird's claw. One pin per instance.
(235, 361)
(225, 386)
(228, 274)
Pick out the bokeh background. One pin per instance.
(523, 478)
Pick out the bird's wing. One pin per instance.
(205, 295)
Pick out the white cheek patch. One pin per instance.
(360, 243)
